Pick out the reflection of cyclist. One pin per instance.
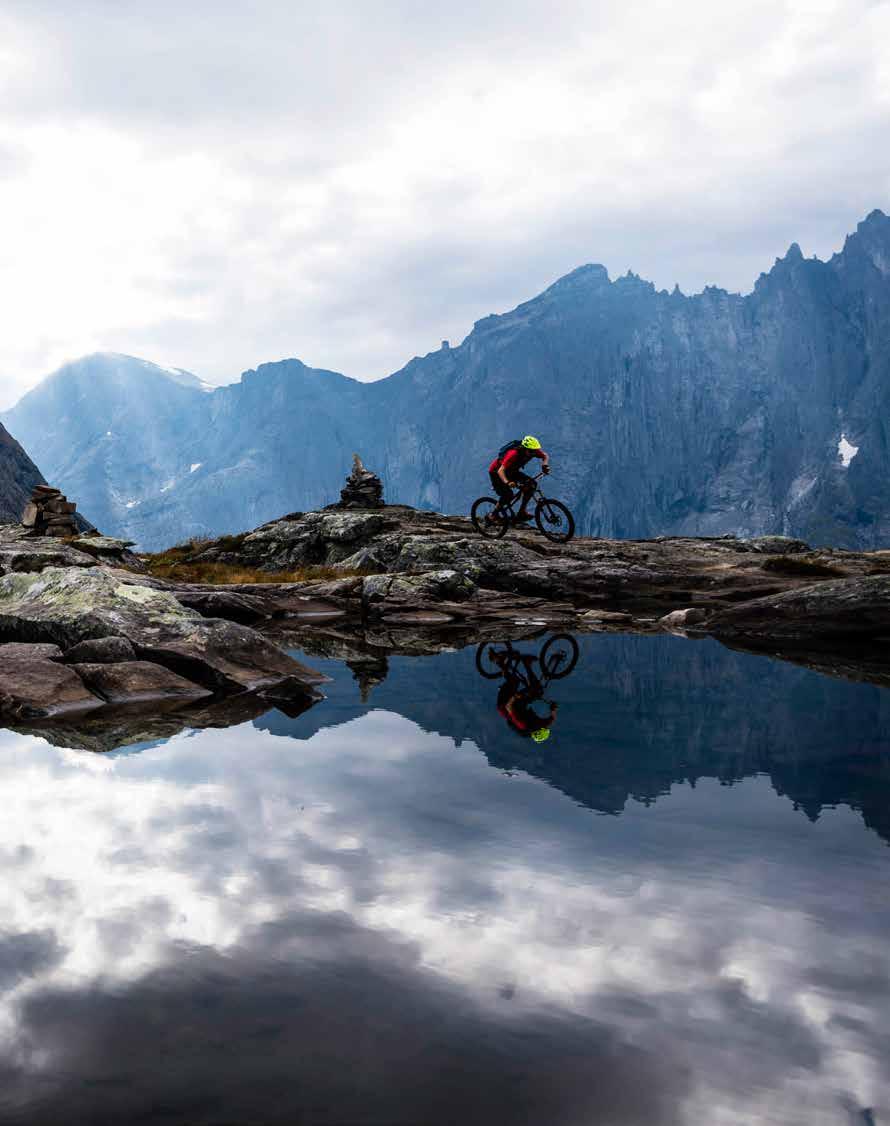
(516, 696)
(506, 470)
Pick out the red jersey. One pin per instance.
(514, 460)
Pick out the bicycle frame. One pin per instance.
(516, 667)
(507, 506)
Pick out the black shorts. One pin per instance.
(505, 492)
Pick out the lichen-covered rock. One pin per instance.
(107, 549)
(18, 552)
(447, 585)
(349, 527)
(101, 545)
(67, 606)
(307, 540)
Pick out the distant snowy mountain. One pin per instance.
(113, 430)
(663, 413)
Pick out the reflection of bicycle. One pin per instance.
(558, 657)
(492, 518)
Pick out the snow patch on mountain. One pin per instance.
(847, 451)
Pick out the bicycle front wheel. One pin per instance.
(554, 520)
(488, 519)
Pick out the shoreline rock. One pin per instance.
(81, 631)
(76, 634)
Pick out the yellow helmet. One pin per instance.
(531, 442)
(541, 735)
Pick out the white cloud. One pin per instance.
(212, 185)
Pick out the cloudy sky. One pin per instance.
(221, 183)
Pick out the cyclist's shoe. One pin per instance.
(522, 518)
(491, 518)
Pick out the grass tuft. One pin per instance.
(210, 571)
(183, 563)
(798, 565)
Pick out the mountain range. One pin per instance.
(663, 413)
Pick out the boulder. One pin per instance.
(100, 651)
(611, 617)
(33, 684)
(843, 609)
(132, 682)
(401, 590)
(682, 620)
(234, 606)
(20, 552)
(102, 546)
(315, 538)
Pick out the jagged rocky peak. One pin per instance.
(591, 275)
(363, 488)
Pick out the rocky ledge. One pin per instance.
(85, 629)
(399, 564)
(81, 632)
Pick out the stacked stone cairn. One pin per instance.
(363, 489)
(50, 513)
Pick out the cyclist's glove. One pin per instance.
(545, 468)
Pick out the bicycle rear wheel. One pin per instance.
(554, 520)
(488, 519)
(559, 656)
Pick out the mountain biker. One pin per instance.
(515, 700)
(506, 470)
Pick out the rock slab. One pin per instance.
(33, 684)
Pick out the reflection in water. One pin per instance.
(351, 917)
(526, 677)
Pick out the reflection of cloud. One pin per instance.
(266, 1031)
(25, 955)
(376, 902)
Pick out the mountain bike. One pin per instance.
(491, 517)
(558, 657)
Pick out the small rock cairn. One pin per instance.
(50, 513)
(363, 489)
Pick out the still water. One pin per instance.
(400, 910)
